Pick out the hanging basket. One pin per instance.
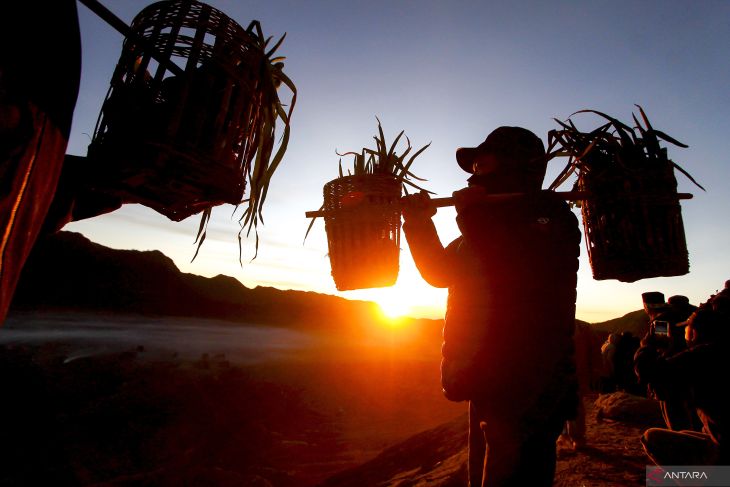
(633, 223)
(173, 133)
(362, 221)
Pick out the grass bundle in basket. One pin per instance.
(191, 115)
(362, 214)
(259, 161)
(632, 220)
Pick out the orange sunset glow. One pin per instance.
(393, 305)
(199, 197)
(410, 296)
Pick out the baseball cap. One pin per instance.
(653, 299)
(515, 143)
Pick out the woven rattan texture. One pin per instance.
(362, 222)
(174, 129)
(633, 225)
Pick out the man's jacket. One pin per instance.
(511, 307)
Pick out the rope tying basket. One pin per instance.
(633, 224)
(362, 221)
(174, 132)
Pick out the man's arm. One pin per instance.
(667, 376)
(432, 259)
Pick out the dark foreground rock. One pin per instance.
(623, 406)
(121, 420)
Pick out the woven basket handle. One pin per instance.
(449, 201)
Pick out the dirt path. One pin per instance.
(613, 455)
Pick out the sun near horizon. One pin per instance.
(406, 300)
(409, 297)
(394, 305)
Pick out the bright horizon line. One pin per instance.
(436, 312)
(384, 297)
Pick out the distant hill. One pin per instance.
(67, 271)
(635, 322)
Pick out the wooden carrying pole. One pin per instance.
(118, 24)
(449, 201)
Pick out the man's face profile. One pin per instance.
(485, 163)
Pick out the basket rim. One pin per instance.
(363, 176)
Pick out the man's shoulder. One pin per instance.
(554, 214)
(551, 203)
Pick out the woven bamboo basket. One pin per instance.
(633, 223)
(362, 221)
(174, 125)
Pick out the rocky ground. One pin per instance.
(612, 457)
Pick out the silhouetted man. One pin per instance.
(508, 334)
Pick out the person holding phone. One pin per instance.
(696, 376)
(669, 336)
(677, 311)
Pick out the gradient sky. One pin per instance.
(448, 73)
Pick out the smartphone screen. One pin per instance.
(661, 328)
